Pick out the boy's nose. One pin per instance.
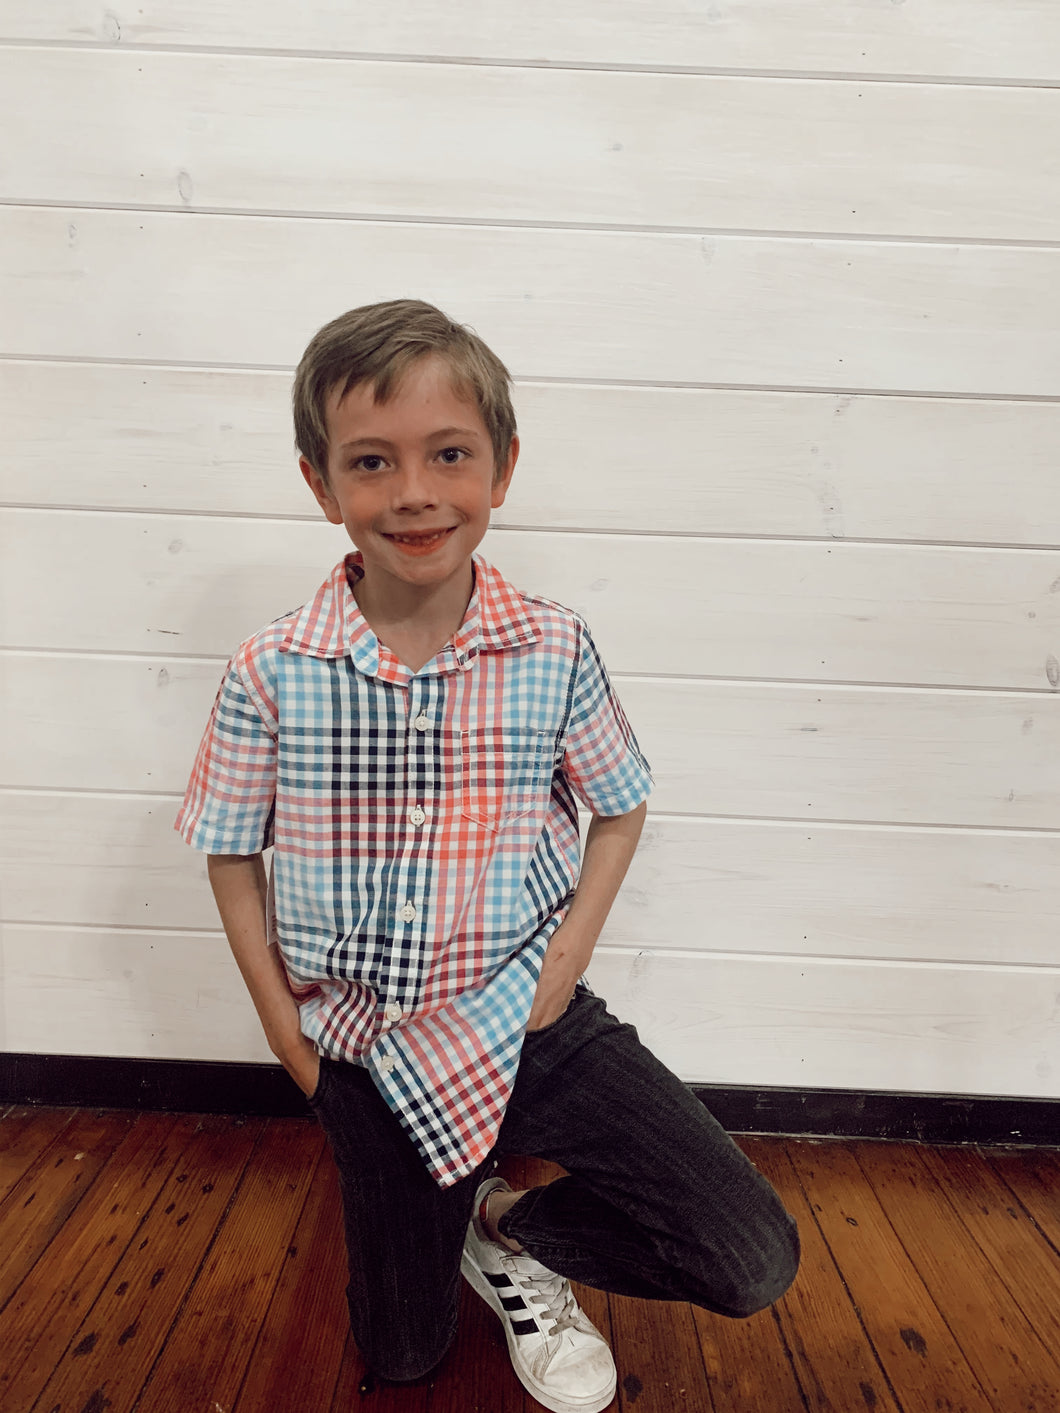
(415, 488)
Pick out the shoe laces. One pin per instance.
(545, 1289)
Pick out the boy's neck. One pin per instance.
(414, 623)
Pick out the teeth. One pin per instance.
(418, 539)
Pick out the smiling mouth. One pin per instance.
(424, 540)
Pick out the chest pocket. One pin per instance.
(505, 774)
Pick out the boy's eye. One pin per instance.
(369, 463)
(452, 455)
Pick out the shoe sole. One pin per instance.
(481, 1286)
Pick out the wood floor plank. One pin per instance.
(748, 1363)
(1033, 1175)
(213, 1280)
(51, 1187)
(25, 1132)
(125, 1328)
(377, 1397)
(911, 1339)
(296, 1360)
(1010, 1360)
(39, 1321)
(1004, 1232)
(836, 1363)
(207, 1351)
(659, 1359)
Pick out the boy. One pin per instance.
(412, 742)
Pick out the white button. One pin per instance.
(386, 1064)
(416, 815)
(408, 913)
(422, 721)
(393, 1011)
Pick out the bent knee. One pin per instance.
(767, 1272)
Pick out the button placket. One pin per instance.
(409, 911)
(415, 813)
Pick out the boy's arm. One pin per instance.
(609, 846)
(240, 891)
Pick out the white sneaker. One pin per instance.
(558, 1354)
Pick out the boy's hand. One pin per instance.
(559, 976)
(302, 1063)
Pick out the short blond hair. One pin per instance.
(377, 344)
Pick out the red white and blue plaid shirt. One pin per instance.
(425, 833)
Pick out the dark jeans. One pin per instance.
(660, 1203)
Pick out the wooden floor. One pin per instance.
(186, 1264)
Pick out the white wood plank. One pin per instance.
(841, 1025)
(708, 461)
(121, 862)
(751, 750)
(686, 460)
(719, 1020)
(919, 615)
(227, 132)
(808, 890)
(102, 723)
(800, 890)
(817, 612)
(850, 753)
(186, 584)
(1019, 39)
(554, 303)
(160, 995)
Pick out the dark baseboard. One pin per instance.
(848, 1113)
(169, 1086)
(193, 1086)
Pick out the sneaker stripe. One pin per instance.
(496, 1280)
(524, 1327)
(513, 1302)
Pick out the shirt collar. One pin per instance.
(331, 625)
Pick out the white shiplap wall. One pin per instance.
(781, 290)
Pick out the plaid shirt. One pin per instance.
(425, 833)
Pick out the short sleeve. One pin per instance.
(228, 804)
(602, 761)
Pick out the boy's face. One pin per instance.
(412, 479)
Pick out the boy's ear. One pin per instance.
(503, 477)
(316, 483)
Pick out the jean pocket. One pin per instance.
(505, 774)
(322, 1073)
(548, 1029)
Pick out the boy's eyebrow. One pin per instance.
(382, 441)
(364, 441)
(456, 432)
